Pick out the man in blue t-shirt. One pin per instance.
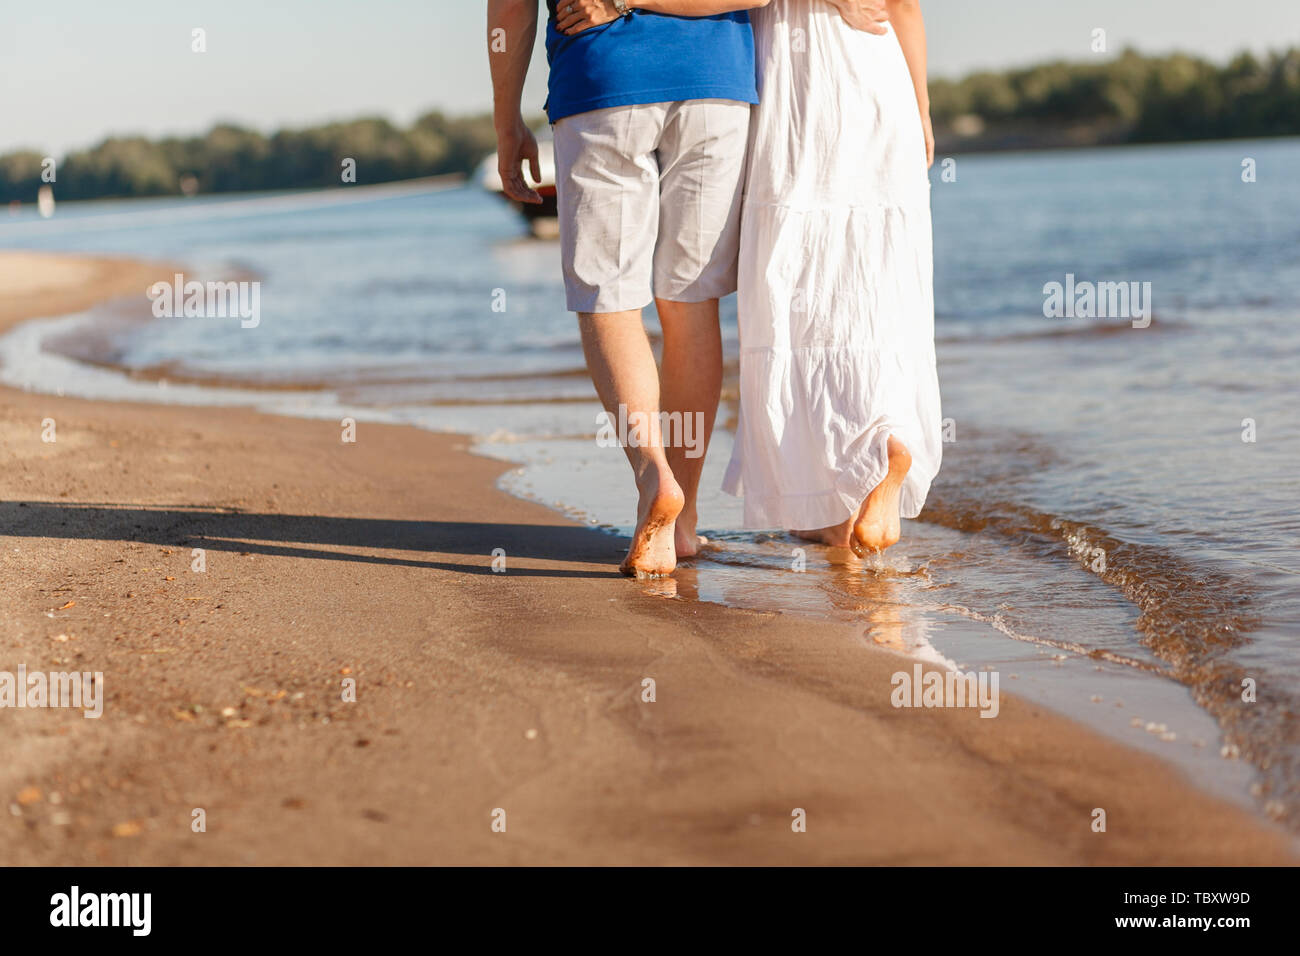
(651, 122)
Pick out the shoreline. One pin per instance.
(373, 561)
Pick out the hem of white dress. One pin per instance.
(824, 509)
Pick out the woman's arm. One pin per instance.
(909, 27)
(694, 8)
(574, 16)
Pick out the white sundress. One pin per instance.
(836, 302)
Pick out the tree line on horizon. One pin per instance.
(1134, 98)
(1129, 99)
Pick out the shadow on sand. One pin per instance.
(322, 537)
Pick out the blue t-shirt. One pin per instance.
(649, 58)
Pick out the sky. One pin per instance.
(74, 72)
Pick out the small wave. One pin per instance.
(999, 623)
(1189, 615)
(1078, 329)
(1185, 611)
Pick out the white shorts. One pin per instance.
(649, 202)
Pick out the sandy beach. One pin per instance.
(328, 562)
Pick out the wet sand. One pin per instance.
(371, 561)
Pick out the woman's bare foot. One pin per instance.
(652, 553)
(878, 526)
(836, 536)
(686, 541)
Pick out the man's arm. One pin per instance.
(909, 26)
(512, 28)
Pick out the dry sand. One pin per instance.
(475, 690)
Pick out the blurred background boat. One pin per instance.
(541, 217)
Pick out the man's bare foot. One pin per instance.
(836, 536)
(878, 526)
(686, 541)
(652, 553)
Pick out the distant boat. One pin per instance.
(45, 201)
(541, 217)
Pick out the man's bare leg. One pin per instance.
(690, 382)
(622, 368)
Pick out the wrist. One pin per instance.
(507, 122)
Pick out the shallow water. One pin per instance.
(1098, 507)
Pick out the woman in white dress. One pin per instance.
(839, 428)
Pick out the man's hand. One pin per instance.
(574, 16)
(870, 16)
(515, 144)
